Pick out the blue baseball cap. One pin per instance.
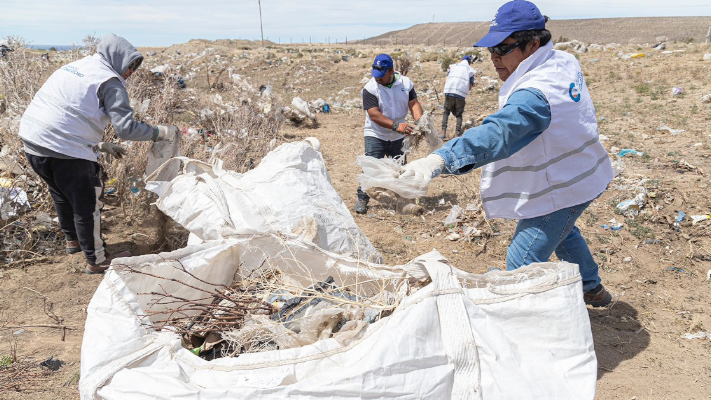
(381, 65)
(467, 58)
(514, 16)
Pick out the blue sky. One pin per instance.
(161, 23)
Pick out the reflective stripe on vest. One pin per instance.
(566, 164)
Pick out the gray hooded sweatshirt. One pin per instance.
(113, 96)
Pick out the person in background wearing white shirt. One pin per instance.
(460, 79)
(387, 98)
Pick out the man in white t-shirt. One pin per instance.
(387, 98)
(460, 79)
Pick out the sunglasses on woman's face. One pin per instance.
(504, 49)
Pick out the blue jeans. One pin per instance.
(379, 148)
(536, 239)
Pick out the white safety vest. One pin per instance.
(458, 79)
(393, 102)
(566, 164)
(64, 116)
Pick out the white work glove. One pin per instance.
(112, 149)
(425, 168)
(166, 132)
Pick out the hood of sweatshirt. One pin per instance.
(118, 52)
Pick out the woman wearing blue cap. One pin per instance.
(387, 98)
(543, 163)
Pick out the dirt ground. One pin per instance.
(656, 270)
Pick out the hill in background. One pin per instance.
(601, 31)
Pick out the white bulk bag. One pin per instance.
(522, 334)
(289, 192)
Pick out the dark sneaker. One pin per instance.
(101, 267)
(361, 206)
(73, 247)
(598, 297)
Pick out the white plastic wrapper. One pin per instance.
(384, 173)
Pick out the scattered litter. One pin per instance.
(453, 237)
(617, 167)
(633, 152)
(708, 275)
(652, 241)
(707, 56)
(674, 132)
(456, 214)
(674, 269)
(677, 90)
(637, 55)
(627, 259)
(695, 219)
(12, 201)
(679, 216)
(683, 164)
(18, 332)
(632, 206)
(472, 207)
(697, 335)
(706, 98)
(53, 364)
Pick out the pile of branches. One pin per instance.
(258, 312)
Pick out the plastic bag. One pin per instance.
(426, 130)
(160, 153)
(384, 173)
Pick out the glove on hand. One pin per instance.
(403, 128)
(166, 132)
(425, 168)
(112, 149)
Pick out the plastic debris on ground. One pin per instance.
(698, 335)
(695, 219)
(12, 201)
(673, 132)
(627, 152)
(677, 90)
(456, 215)
(706, 99)
(631, 207)
(613, 225)
(53, 364)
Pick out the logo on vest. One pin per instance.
(576, 87)
(72, 70)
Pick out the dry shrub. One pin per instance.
(239, 132)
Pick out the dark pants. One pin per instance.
(378, 148)
(75, 187)
(455, 106)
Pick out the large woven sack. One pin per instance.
(288, 192)
(523, 334)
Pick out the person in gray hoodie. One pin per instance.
(62, 132)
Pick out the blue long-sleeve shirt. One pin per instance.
(525, 115)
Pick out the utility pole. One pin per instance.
(261, 26)
(708, 35)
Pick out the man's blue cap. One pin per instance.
(381, 65)
(514, 16)
(467, 58)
